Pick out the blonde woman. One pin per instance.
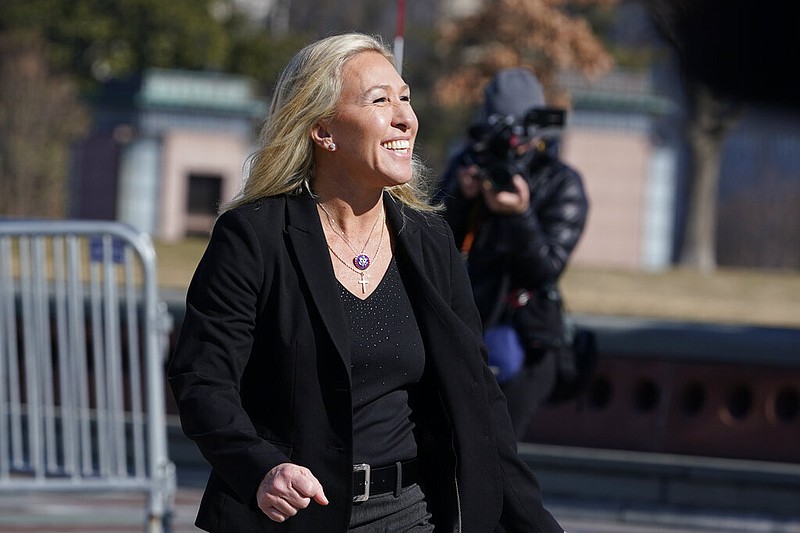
(330, 365)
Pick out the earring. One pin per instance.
(332, 147)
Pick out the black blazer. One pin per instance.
(260, 374)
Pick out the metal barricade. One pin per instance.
(83, 340)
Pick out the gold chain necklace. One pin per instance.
(360, 271)
(361, 259)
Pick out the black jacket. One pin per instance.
(528, 251)
(261, 376)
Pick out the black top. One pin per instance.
(387, 358)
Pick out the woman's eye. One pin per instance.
(405, 98)
(380, 100)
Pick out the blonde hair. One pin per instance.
(306, 93)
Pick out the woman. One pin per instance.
(330, 367)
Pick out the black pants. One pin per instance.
(387, 513)
(528, 389)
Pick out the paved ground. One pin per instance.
(90, 512)
(124, 513)
(584, 518)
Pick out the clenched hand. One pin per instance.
(286, 489)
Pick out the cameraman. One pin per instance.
(517, 212)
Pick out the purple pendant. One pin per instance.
(361, 261)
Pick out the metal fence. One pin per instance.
(83, 340)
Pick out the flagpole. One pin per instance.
(398, 35)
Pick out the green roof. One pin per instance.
(198, 90)
(589, 100)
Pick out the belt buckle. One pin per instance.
(362, 467)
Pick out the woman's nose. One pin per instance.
(404, 118)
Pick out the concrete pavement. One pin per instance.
(87, 512)
(589, 510)
(124, 513)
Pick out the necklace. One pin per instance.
(360, 271)
(361, 259)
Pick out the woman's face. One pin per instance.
(374, 128)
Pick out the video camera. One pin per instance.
(494, 143)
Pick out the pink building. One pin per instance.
(166, 150)
(630, 179)
(175, 144)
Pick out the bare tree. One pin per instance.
(731, 54)
(712, 118)
(40, 115)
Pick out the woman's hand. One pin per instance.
(513, 202)
(286, 489)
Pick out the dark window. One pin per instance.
(202, 202)
(205, 192)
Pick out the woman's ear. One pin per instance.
(321, 136)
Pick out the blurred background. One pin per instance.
(681, 116)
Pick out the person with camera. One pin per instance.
(517, 212)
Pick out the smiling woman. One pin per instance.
(330, 333)
(374, 129)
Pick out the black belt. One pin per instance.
(369, 481)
